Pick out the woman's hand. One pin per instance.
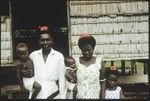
(70, 77)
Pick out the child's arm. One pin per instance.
(19, 76)
(102, 81)
(75, 91)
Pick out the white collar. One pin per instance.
(51, 53)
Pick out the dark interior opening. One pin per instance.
(27, 15)
(4, 7)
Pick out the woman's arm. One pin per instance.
(102, 81)
(70, 78)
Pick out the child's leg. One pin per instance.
(75, 92)
(36, 89)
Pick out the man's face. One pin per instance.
(46, 42)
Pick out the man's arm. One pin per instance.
(62, 80)
(102, 81)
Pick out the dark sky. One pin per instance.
(31, 13)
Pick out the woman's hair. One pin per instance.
(89, 40)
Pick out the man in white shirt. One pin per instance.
(48, 68)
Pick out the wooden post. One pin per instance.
(133, 66)
(112, 63)
(69, 28)
(145, 68)
(11, 36)
(123, 66)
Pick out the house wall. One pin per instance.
(6, 41)
(119, 27)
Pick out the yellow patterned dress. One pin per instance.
(88, 85)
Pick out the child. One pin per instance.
(25, 71)
(113, 91)
(71, 77)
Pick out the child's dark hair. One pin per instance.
(66, 59)
(113, 72)
(87, 41)
(21, 45)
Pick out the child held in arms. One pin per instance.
(71, 77)
(25, 71)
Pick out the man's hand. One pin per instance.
(26, 73)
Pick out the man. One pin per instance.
(49, 67)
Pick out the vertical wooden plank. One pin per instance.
(133, 66)
(69, 27)
(11, 24)
(145, 68)
(112, 63)
(123, 66)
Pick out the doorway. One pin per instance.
(28, 15)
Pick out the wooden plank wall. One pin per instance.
(120, 28)
(6, 41)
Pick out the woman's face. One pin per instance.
(87, 51)
(46, 42)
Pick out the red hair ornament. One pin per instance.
(84, 35)
(113, 68)
(43, 28)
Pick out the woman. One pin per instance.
(90, 72)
